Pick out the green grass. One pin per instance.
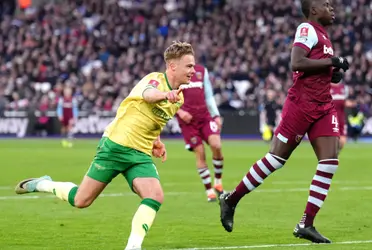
(185, 220)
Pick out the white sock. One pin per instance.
(210, 191)
(133, 242)
(60, 189)
(141, 223)
(45, 186)
(217, 181)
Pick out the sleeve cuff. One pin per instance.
(301, 45)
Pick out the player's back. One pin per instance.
(194, 94)
(339, 95)
(138, 123)
(312, 88)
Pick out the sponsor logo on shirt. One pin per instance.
(327, 50)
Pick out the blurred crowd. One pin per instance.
(102, 48)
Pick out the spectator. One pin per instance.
(101, 48)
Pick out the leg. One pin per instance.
(326, 150)
(203, 171)
(324, 136)
(354, 133)
(194, 142)
(95, 181)
(211, 135)
(64, 133)
(63, 130)
(98, 176)
(70, 132)
(80, 197)
(358, 133)
(214, 142)
(272, 161)
(87, 192)
(287, 136)
(144, 181)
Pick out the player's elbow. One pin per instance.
(298, 64)
(148, 99)
(148, 96)
(295, 66)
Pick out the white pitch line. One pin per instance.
(276, 245)
(309, 181)
(31, 197)
(289, 190)
(173, 184)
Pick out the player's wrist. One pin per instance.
(333, 61)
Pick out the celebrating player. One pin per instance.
(308, 109)
(339, 94)
(128, 143)
(67, 111)
(200, 121)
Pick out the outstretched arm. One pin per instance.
(153, 95)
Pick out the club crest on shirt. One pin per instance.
(154, 83)
(198, 75)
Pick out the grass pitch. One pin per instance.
(264, 219)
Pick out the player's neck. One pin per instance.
(316, 21)
(171, 80)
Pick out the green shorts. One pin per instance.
(112, 159)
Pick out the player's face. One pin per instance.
(67, 92)
(184, 69)
(325, 11)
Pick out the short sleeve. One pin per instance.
(151, 82)
(305, 37)
(346, 92)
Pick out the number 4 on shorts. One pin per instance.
(335, 121)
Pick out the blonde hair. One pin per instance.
(177, 50)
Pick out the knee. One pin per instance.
(148, 188)
(157, 195)
(215, 145)
(82, 203)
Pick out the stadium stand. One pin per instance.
(100, 48)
